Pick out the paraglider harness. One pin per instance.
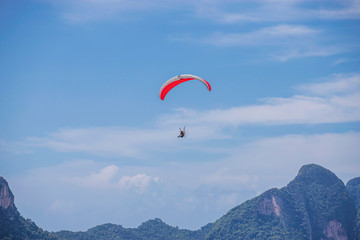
(182, 133)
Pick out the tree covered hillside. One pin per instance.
(154, 229)
(12, 225)
(353, 187)
(315, 205)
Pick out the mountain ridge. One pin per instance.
(353, 187)
(314, 205)
(13, 225)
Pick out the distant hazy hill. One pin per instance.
(316, 205)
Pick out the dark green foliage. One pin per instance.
(255, 219)
(102, 232)
(314, 202)
(20, 228)
(151, 230)
(157, 229)
(324, 198)
(353, 187)
(12, 225)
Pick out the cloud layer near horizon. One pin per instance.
(180, 188)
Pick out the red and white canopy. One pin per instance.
(173, 82)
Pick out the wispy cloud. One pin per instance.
(102, 178)
(209, 188)
(311, 107)
(81, 11)
(349, 10)
(13, 148)
(288, 39)
(337, 84)
(331, 150)
(336, 100)
(279, 111)
(109, 178)
(215, 10)
(305, 52)
(107, 141)
(281, 42)
(265, 36)
(61, 206)
(139, 181)
(277, 10)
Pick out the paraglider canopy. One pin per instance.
(173, 82)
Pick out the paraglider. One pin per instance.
(173, 82)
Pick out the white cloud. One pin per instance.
(351, 10)
(110, 141)
(295, 110)
(269, 162)
(215, 10)
(339, 61)
(140, 181)
(278, 10)
(337, 84)
(334, 101)
(100, 179)
(295, 41)
(304, 52)
(338, 152)
(13, 148)
(273, 35)
(80, 11)
(61, 206)
(165, 190)
(287, 41)
(109, 177)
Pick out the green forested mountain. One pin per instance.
(154, 229)
(12, 225)
(353, 187)
(316, 205)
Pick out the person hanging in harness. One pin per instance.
(182, 133)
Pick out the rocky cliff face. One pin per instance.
(327, 204)
(12, 225)
(7, 200)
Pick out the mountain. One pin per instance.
(7, 206)
(154, 229)
(316, 205)
(12, 225)
(353, 187)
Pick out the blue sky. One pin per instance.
(86, 140)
